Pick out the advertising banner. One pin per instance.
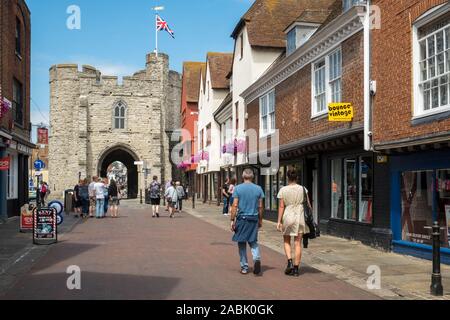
(45, 226)
(340, 112)
(26, 219)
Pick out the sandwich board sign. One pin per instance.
(45, 226)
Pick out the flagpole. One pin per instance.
(156, 33)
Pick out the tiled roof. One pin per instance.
(266, 20)
(192, 71)
(220, 65)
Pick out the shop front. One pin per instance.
(420, 195)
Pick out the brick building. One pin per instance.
(15, 127)
(323, 64)
(411, 118)
(192, 73)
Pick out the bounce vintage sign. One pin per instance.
(340, 112)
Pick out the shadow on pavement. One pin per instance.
(94, 286)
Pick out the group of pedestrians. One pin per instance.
(247, 208)
(97, 198)
(174, 194)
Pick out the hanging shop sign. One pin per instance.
(45, 226)
(340, 112)
(5, 106)
(42, 136)
(4, 164)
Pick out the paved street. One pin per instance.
(137, 257)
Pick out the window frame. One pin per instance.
(348, 4)
(122, 107)
(430, 17)
(270, 116)
(327, 81)
(291, 36)
(18, 105)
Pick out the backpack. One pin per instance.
(44, 189)
(155, 188)
(84, 192)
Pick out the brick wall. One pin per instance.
(293, 98)
(392, 69)
(11, 66)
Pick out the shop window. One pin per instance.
(336, 189)
(12, 191)
(352, 189)
(425, 198)
(18, 105)
(267, 192)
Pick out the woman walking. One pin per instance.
(77, 204)
(291, 220)
(114, 198)
(84, 196)
(106, 194)
(231, 188)
(172, 199)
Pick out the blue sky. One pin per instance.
(116, 35)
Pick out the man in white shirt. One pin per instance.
(99, 199)
(92, 197)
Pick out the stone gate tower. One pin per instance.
(95, 121)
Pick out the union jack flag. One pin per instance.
(162, 25)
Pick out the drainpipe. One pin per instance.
(367, 94)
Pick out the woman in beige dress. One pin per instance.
(291, 220)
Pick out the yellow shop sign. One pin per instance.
(340, 112)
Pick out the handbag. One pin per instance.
(309, 218)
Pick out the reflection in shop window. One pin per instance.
(350, 189)
(366, 187)
(417, 206)
(443, 196)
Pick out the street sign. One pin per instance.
(59, 219)
(45, 226)
(58, 206)
(39, 165)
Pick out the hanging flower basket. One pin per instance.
(4, 108)
(183, 166)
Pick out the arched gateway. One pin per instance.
(123, 154)
(95, 122)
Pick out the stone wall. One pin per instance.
(82, 119)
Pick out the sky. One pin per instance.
(115, 36)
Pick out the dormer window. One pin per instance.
(347, 4)
(298, 35)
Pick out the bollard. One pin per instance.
(141, 195)
(436, 278)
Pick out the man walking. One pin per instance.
(155, 196)
(246, 220)
(181, 195)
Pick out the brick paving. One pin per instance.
(137, 257)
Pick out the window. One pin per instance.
(434, 65)
(119, 116)
(335, 76)
(347, 4)
(291, 41)
(237, 117)
(327, 82)
(12, 191)
(320, 98)
(208, 135)
(202, 140)
(18, 106)
(352, 189)
(18, 37)
(241, 41)
(267, 114)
